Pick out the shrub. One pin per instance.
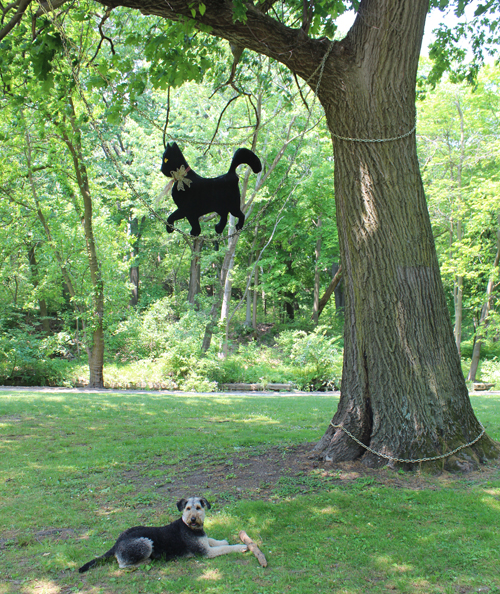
(30, 359)
(251, 364)
(490, 371)
(317, 357)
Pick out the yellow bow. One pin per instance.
(179, 176)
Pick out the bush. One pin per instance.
(251, 364)
(317, 357)
(490, 371)
(166, 339)
(30, 359)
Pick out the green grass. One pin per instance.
(77, 468)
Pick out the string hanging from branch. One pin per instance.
(45, 9)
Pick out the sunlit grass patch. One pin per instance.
(77, 468)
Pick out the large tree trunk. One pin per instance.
(403, 392)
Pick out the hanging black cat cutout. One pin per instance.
(196, 196)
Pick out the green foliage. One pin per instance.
(316, 356)
(458, 147)
(479, 32)
(164, 343)
(490, 371)
(31, 359)
(123, 66)
(169, 335)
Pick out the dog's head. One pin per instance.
(193, 511)
(172, 159)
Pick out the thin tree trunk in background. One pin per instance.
(459, 279)
(248, 313)
(96, 348)
(317, 254)
(135, 231)
(483, 320)
(255, 296)
(213, 316)
(458, 301)
(44, 316)
(329, 291)
(195, 269)
(227, 268)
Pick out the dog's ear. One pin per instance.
(181, 504)
(205, 503)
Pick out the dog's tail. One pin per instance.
(90, 564)
(246, 156)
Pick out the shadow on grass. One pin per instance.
(79, 468)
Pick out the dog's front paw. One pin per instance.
(241, 548)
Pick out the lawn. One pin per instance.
(78, 467)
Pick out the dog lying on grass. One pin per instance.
(196, 196)
(183, 538)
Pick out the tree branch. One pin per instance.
(49, 6)
(16, 19)
(259, 32)
(104, 37)
(219, 121)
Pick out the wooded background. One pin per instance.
(86, 263)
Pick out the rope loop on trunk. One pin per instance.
(393, 459)
(375, 139)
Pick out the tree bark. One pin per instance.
(403, 392)
(135, 229)
(255, 297)
(44, 316)
(96, 348)
(195, 269)
(317, 254)
(483, 320)
(330, 289)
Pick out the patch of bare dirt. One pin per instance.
(289, 471)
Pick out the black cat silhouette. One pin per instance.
(196, 196)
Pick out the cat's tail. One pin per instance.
(90, 564)
(246, 156)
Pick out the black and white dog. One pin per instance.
(183, 538)
(196, 196)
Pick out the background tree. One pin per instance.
(459, 152)
(58, 120)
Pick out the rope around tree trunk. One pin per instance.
(393, 459)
